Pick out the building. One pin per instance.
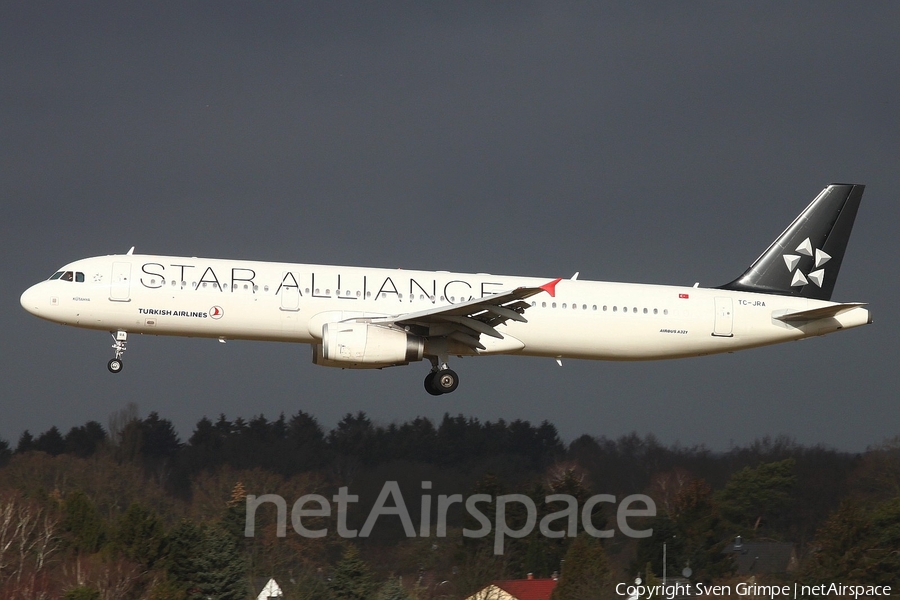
(270, 589)
(516, 589)
(762, 558)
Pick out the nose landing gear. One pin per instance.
(119, 337)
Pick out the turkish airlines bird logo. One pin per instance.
(216, 312)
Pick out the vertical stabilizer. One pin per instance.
(804, 261)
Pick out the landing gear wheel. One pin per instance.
(445, 381)
(115, 365)
(429, 384)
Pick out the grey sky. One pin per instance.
(646, 142)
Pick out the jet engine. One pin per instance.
(366, 346)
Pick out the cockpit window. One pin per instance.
(68, 276)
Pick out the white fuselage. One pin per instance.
(233, 299)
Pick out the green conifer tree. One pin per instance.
(755, 497)
(83, 522)
(858, 545)
(352, 579)
(586, 574)
(140, 535)
(393, 590)
(205, 561)
(82, 592)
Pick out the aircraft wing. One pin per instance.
(465, 322)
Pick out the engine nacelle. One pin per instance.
(366, 346)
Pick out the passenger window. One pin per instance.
(655, 311)
(615, 309)
(543, 305)
(564, 305)
(553, 305)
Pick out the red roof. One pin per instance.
(528, 589)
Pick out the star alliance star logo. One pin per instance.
(792, 260)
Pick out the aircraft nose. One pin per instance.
(30, 300)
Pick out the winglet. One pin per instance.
(550, 288)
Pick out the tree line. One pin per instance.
(130, 510)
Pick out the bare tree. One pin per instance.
(27, 541)
(119, 419)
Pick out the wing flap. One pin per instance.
(467, 321)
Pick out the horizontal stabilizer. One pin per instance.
(819, 313)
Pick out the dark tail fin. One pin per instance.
(804, 261)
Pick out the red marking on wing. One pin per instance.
(550, 288)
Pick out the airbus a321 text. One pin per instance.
(366, 318)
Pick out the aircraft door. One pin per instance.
(724, 325)
(290, 296)
(120, 282)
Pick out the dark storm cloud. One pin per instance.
(629, 141)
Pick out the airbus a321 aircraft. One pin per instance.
(365, 318)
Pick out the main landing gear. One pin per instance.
(441, 380)
(119, 337)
